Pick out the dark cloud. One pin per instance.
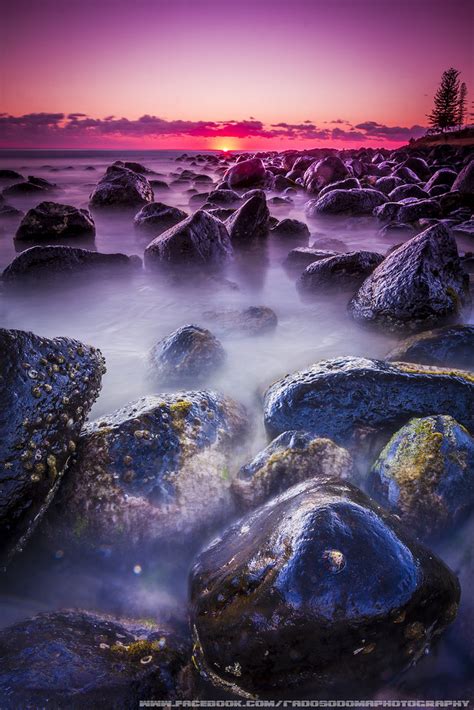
(373, 129)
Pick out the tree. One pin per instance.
(446, 101)
(461, 115)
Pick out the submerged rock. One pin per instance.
(189, 355)
(121, 187)
(10, 175)
(47, 389)
(291, 458)
(250, 222)
(197, 240)
(318, 588)
(157, 217)
(58, 261)
(298, 259)
(80, 660)
(51, 220)
(354, 202)
(425, 475)
(419, 285)
(247, 173)
(32, 186)
(343, 271)
(334, 398)
(451, 346)
(255, 320)
(155, 471)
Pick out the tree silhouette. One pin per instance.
(446, 101)
(461, 115)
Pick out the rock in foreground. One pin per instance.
(80, 660)
(451, 346)
(335, 398)
(48, 388)
(318, 588)
(51, 220)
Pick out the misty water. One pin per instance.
(124, 315)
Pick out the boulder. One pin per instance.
(451, 346)
(80, 660)
(403, 191)
(291, 458)
(342, 271)
(189, 355)
(250, 222)
(335, 398)
(51, 220)
(421, 209)
(198, 240)
(255, 320)
(387, 183)
(247, 173)
(347, 184)
(354, 202)
(10, 175)
(224, 198)
(38, 263)
(319, 588)
(33, 185)
(444, 176)
(298, 259)
(157, 217)
(322, 172)
(48, 388)
(464, 182)
(291, 229)
(121, 187)
(419, 285)
(154, 473)
(425, 475)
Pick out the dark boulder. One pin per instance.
(10, 175)
(330, 243)
(419, 166)
(291, 229)
(298, 259)
(255, 320)
(444, 176)
(247, 173)
(156, 472)
(388, 183)
(406, 175)
(80, 660)
(347, 184)
(188, 356)
(322, 172)
(343, 271)
(198, 240)
(33, 185)
(336, 397)
(48, 388)
(421, 209)
(159, 185)
(451, 346)
(425, 475)
(354, 202)
(291, 458)
(464, 182)
(419, 285)
(38, 263)
(404, 191)
(319, 588)
(133, 166)
(121, 187)
(51, 220)
(224, 198)
(250, 222)
(157, 217)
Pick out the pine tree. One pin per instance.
(461, 113)
(445, 111)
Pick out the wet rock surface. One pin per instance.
(255, 320)
(189, 355)
(419, 285)
(335, 397)
(82, 660)
(250, 222)
(291, 229)
(121, 187)
(51, 220)
(318, 587)
(248, 173)
(343, 271)
(425, 474)
(155, 471)
(451, 346)
(48, 388)
(323, 172)
(157, 217)
(354, 202)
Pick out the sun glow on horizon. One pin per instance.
(225, 144)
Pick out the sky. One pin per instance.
(231, 74)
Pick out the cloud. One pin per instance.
(58, 129)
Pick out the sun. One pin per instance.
(225, 145)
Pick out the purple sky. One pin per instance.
(208, 73)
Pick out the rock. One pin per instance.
(224, 198)
(347, 184)
(134, 167)
(291, 458)
(57, 261)
(419, 166)
(319, 588)
(355, 202)
(444, 176)
(250, 222)
(198, 240)
(282, 183)
(451, 346)
(247, 173)
(329, 243)
(387, 183)
(392, 228)
(154, 473)
(199, 198)
(255, 320)
(342, 271)
(189, 355)
(465, 229)
(9, 212)
(159, 185)
(10, 175)
(291, 229)
(51, 220)
(298, 259)
(32, 185)
(425, 475)
(464, 182)
(157, 217)
(322, 172)
(404, 191)
(121, 187)
(388, 212)
(80, 660)
(406, 175)
(48, 388)
(335, 397)
(419, 285)
(414, 211)
(221, 213)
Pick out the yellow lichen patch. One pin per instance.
(180, 408)
(137, 649)
(411, 368)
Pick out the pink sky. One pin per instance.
(214, 73)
